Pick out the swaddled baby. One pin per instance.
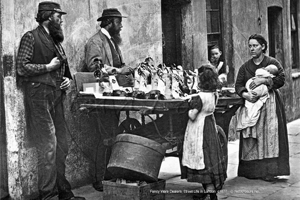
(250, 113)
(268, 71)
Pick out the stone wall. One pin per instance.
(141, 38)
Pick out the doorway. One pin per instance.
(275, 31)
(172, 30)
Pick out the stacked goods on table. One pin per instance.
(162, 82)
(159, 82)
(150, 82)
(169, 82)
(102, 83)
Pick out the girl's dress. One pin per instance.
(202, 152)
(264, 147)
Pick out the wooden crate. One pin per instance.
(117, 191)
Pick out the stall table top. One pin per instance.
(148, 106)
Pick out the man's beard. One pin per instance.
(115, 34)
(55, 31)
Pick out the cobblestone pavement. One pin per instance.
(235, 188)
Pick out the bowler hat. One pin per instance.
(50, 6)
(110, 12)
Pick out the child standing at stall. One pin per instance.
(202, 152)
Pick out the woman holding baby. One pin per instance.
(264, 151)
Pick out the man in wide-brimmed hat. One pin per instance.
(103, 47)
(43, 68)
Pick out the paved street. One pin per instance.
(235, 188)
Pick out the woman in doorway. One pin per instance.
(264, 151)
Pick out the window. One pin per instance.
(214, 18)
(294, 34)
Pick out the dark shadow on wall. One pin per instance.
(172, 30)
(3, 155)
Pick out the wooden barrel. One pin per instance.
(136, 158)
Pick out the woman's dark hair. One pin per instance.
(208, 78)
(260, 39)
(43, 16)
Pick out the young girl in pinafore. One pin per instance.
(202, 152)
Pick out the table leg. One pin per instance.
(223, 118)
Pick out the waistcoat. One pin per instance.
(123, 80)
(115, 55)
(44, 52)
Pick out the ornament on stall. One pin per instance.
(142, 75)
(161, 82)
(141, 78)
(168, 86)
(102, 78)
(177, 81)
(154, 79)
(190, 81)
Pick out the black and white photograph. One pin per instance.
(149, 99)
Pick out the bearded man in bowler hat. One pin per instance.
(103, 47)
(43, 69)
